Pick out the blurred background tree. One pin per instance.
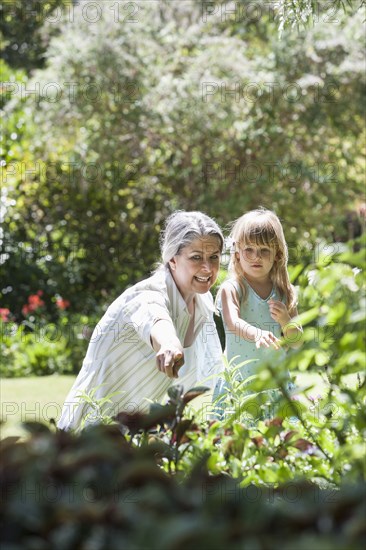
(139, 108)
(26, 29)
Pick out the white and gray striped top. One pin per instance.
(120, 357)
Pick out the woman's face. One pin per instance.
(196, 267)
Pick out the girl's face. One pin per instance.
(256, 261)
(196, 267)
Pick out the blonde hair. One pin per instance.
(261, 227)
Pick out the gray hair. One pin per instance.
(181, 228)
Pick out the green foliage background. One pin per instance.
(164, 105)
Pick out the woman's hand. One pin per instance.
(279, 312)
(169, 350)
(266, 339)
(169, 359)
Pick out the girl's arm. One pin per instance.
(292, 331)
(237, 325)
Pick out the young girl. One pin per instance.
(257, 302)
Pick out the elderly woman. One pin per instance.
(159, 329)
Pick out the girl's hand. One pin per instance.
(279, 312)
(169, 359)
(267, 339)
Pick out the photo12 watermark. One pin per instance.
(249, 12)
(229, 490)
(119, 92)
(273, 92)
(71, 492)
(71, 172)
(292, 172)
(69, 11)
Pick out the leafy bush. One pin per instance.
(96, 490)
(174, 110)
(25, 354)
(44, 338)
(38, 347)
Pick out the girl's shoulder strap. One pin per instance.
(231, 282)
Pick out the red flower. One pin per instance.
(25, 310)
(4, 314)
(34, 303)
(62, 304)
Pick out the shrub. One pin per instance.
(39, 347)
(95, 490)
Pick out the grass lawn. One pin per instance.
(41, 398)
(36, 398)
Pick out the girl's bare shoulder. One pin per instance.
(230, 290)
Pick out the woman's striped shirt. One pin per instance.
(120, 359)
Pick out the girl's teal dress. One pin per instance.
(255, 311)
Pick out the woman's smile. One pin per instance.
(202, 279)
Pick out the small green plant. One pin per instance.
(99, 409)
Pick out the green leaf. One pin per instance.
(308, 316)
